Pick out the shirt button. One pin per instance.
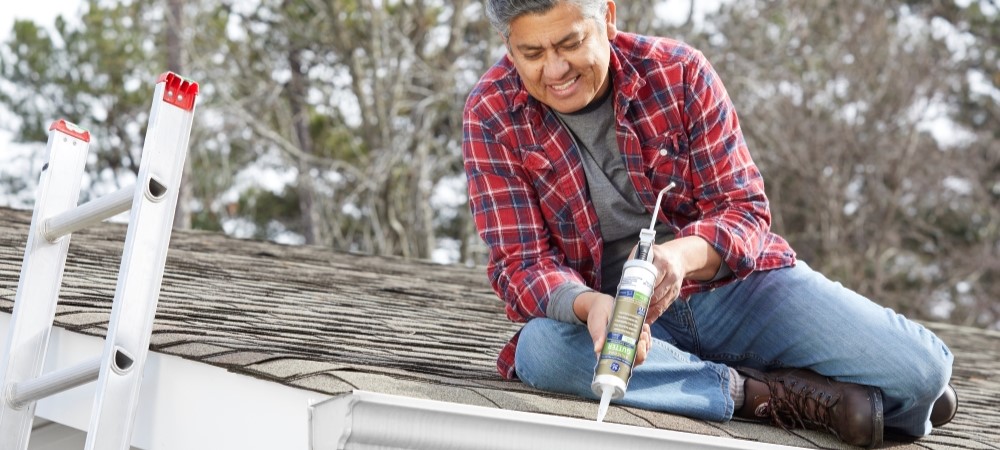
(663, 152)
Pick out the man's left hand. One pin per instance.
(670, 267)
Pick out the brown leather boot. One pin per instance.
(800, 398)
(945, 407)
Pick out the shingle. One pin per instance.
(290, 368)
(324, 382)
(237, 358)
(83, 319)
(196, 350)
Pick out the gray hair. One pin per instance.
(502, 12)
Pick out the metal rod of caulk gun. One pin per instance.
(659, 198)
(642, 251)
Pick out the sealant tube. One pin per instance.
(635, 290)
(614, 367)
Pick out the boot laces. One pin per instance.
(798, 405)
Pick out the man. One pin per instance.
(567, 140)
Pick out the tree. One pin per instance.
(835, 101)
(973, 216)
(98, 74)
(377, 83)
(89, 77)
(175, 64)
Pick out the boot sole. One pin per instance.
(878, 420)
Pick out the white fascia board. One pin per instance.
(364, 420)
(184, 404)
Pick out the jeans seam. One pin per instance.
(727, 358)
(692, 329)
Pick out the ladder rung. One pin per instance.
(88, 213)
(54, 382)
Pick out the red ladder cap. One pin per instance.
(179, 91)
(71, 129)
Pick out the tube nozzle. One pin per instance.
(606, 393)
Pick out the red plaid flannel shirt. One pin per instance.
(527, 187)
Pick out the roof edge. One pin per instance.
(363, 419)
(183, 403)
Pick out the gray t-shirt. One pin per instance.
(620, 212)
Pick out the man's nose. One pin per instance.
(556, 65)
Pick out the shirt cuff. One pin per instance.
(561, 302)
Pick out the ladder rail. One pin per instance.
(141, 274)
(40, 279)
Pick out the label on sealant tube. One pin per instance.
(614, 368)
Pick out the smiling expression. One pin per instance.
(563, 56)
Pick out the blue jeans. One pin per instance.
(791, 317)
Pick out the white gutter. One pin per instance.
(362, 420)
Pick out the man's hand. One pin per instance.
(670, 275)
(595, 308)
(686, 257)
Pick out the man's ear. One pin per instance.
(506, 43)
(609, 20)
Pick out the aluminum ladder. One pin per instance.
(151, 202)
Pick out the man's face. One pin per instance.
(562, 56)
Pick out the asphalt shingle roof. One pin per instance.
(331, 322)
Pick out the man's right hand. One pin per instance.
(594, 308)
